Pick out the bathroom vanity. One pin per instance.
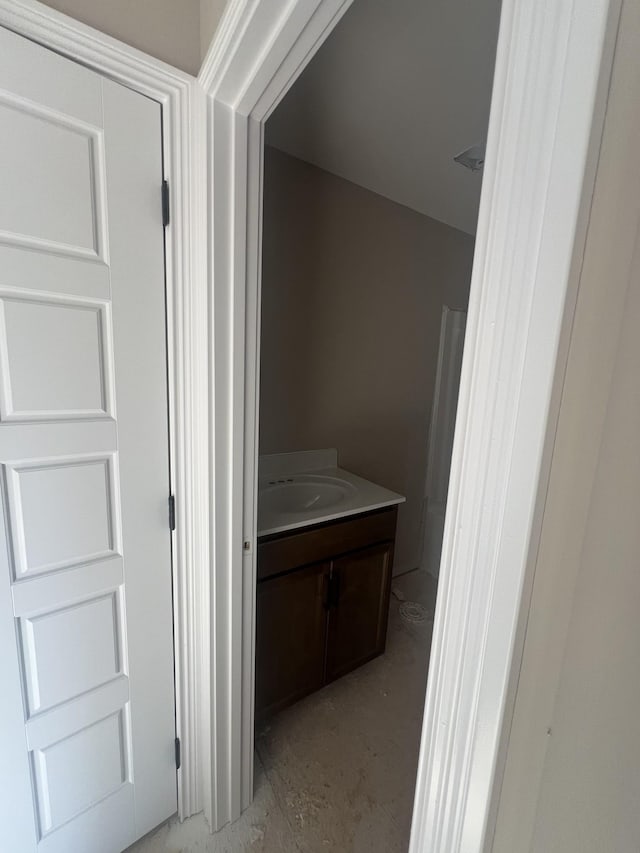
(325, 555)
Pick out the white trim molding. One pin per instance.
(182, 103)
(537, 185)
(260, 48)
(533, 198)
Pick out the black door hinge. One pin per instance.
(178, 760)
(165, 203)
(172, 512)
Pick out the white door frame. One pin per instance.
(183, 130)
(553, 62)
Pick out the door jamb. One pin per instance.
(182, 102)
(537, 184)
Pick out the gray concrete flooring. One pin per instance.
(336, 771)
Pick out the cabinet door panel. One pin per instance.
(291, 631)
(358, 616)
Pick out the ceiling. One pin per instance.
(397, 90)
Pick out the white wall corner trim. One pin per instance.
(182, 103)
(544, 102)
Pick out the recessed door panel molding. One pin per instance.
(69, 651)
(62, 792)
(56, 362)
(57, 439)
(59, 210)
(61, 722)
(46, 272)
(54, 83)
(102, 828)
(63, 513)
(56, 590)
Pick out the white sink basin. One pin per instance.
(303, 493)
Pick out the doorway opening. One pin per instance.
(368, 228)
(546, 114)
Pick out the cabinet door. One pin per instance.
(291, 633)
(360, 584)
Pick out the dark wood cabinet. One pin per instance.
(358, 618)
(291, 633)
(322, 604)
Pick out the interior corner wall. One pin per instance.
(166, 29)
(352, 292)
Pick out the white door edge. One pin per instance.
(547, 108)
(441, 426)
(182, 103)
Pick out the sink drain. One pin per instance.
(411, 611)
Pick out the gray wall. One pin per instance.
(591, 779)
(353, 288)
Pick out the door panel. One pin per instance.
(87, 718)
(358, 618)
(57, 667)
(44, 541)
(36, 367)
(291, 630)
(27, 177)
(62, 791)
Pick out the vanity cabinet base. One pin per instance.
(357, 624)
(291, 637)
(322, 605)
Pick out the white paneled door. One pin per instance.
(87, 727)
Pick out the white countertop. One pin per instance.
(277, 473)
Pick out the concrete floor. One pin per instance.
(336, 771)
